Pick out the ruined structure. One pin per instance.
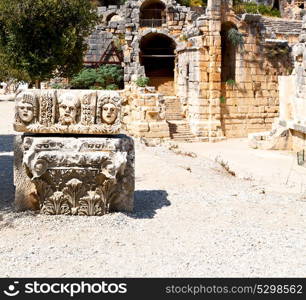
(204, 84)
(289, 130)
(75, 174)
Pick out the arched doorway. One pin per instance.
(152, 13)
(276, 5)
(157, 55)
(108, 2)
(229, 49)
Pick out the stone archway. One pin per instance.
(157, 55)
(276, 5)
(152, 13)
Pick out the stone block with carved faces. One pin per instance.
(89, 176)
(68, 111)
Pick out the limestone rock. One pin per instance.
(75, 176)
(68, 111)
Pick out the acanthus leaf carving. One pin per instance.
(57, 204)
(78, 175)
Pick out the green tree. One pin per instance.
(41, 39)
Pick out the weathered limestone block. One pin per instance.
(68, 111)
(277, 139)
(74, 176)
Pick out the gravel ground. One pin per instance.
(191, 218)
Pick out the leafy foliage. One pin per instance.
(222, 99)
(109, 77)
(41, 39)
(193, 3)
(241, 7)
(231, 82)
(236, 38)
(142, 81)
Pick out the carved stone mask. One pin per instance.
(109, 113)
(68, 110)
(25, 111)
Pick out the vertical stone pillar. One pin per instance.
(214, 71)
(208, 123)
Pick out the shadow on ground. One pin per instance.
(7, 189)
(146, 203)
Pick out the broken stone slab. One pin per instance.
(68, 111)
(89, 176)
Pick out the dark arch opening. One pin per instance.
(157, 55)
(228, 53)
(276, 5)
(108, 18)
(108, 2)
(152, 13)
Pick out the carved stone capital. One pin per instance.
(76, 176)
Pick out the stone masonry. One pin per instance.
(207, 104)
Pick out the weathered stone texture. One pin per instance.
(68, 111)
(74, 176)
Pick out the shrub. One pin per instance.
(142, 81)
(193, 3)
(105, 77)
(112, 87)
(253, 8)
(231, 82)
(222, 99)
(236, 38)
(58, 86)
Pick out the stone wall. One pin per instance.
(211, 108)
(289, 130)
(251, 104)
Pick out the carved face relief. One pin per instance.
(39, 168)
(25, 111)
(109, 113)
(68, 109)
(25, 107)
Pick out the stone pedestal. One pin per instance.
(74, 175)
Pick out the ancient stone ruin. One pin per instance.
(289, 129)
(68, 161)
(203, 86)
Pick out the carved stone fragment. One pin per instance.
(68, 111)
(75, 176)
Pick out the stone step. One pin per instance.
(180, 131)
(174, 118)
(172, 115)
(173, 112)
(181, 127)
(176, 107)
(149, 95)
